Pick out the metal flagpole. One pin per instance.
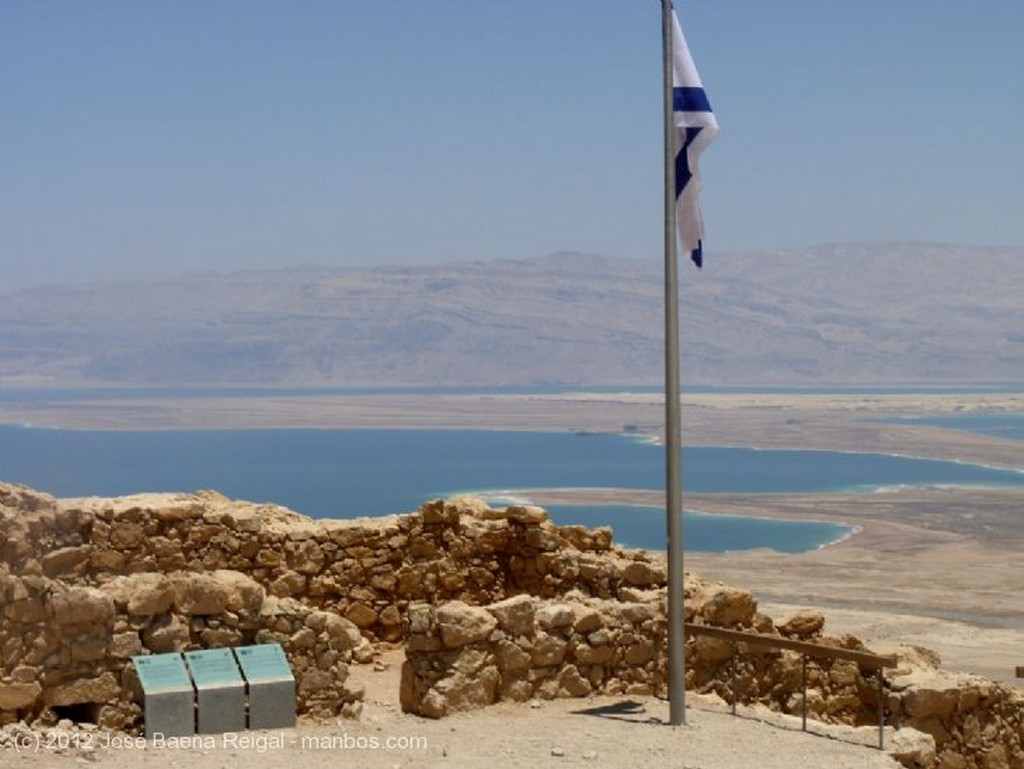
(673, 454)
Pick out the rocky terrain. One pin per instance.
(851, 314)
(488, 605)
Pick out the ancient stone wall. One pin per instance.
(86, 584)
(367, 570)
(461, 657)
(491, 604)
(66, 649)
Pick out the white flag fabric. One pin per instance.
(695, 129)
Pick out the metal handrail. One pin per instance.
(876, 662)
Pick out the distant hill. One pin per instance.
(865, 313)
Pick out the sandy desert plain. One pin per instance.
(934, 566)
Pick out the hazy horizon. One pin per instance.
(865, 313)
(148, 140)
(127, 277)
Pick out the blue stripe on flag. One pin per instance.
(690, 99)
(683, 160)
(697, 255)
(683, 175)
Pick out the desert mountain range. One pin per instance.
(863, 313)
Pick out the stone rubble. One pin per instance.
(490, 604)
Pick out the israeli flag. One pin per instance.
(695, 129)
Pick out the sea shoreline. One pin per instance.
(925, 553)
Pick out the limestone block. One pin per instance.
(18, 696)
(385, 583)
(437, 512)
(391, 616)
(802, 624)
(530, 515)
(461, 692)
(102, 688)
(511, 657)
(24, 674)
(30, 610)
(166, 634)
(641, 595)
(215, 638)
(572, 683)
(582, 538)
(244, 594)
(64, 560)
(593, 655)
(553, 616)
(461, 624)
(634, 613)
(302, 640)
(601, 538)
(243, 519)
(640, 652)
(729, 607)
(126, 535)
(181, 509)
(86, 649)
(712, 651)
(315, 682)
(288, 584)
(198, 594)
(268, 557)
(421, 619)
(515, 615)
(306, 558)
(145, 594)
(125, 645)
(642, 574)
(466, 504)
(343, 633)
(107, 560)
(548, 650)
(364, 652)
(489, 538)
(600, 637)
(928, 694)
(82, 605)
(543, 539)
(453, 581)
(587, 619)
(361, 615)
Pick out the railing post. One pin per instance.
(803, 670)
(881, 709)
(733, 685)
(804, 648)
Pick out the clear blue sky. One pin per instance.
(149, 137)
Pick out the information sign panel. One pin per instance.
(169, 699)
(220, 691)
(271, 686)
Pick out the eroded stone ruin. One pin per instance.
(489, 604)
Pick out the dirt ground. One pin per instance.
(935, 567)
(597, 732)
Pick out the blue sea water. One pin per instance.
(641, 526)
(348, 473)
